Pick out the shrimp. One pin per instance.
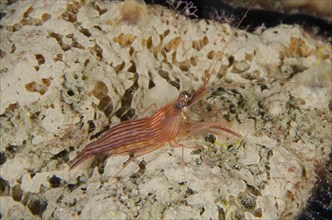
(140, 136)
(144, 135)
(167, 125)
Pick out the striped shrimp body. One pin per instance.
(140, 136)
(144, 135)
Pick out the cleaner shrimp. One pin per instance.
(167, 125)
(144, 135)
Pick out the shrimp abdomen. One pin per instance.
(121, 139)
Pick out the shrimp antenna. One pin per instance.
(214, 62)
(209, 72)
(188, 13)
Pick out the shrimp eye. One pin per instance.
(181, 104)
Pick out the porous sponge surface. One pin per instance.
(70, 68)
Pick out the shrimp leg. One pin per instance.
(194, 127)
(139, 153)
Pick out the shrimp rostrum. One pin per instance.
(141, 136)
